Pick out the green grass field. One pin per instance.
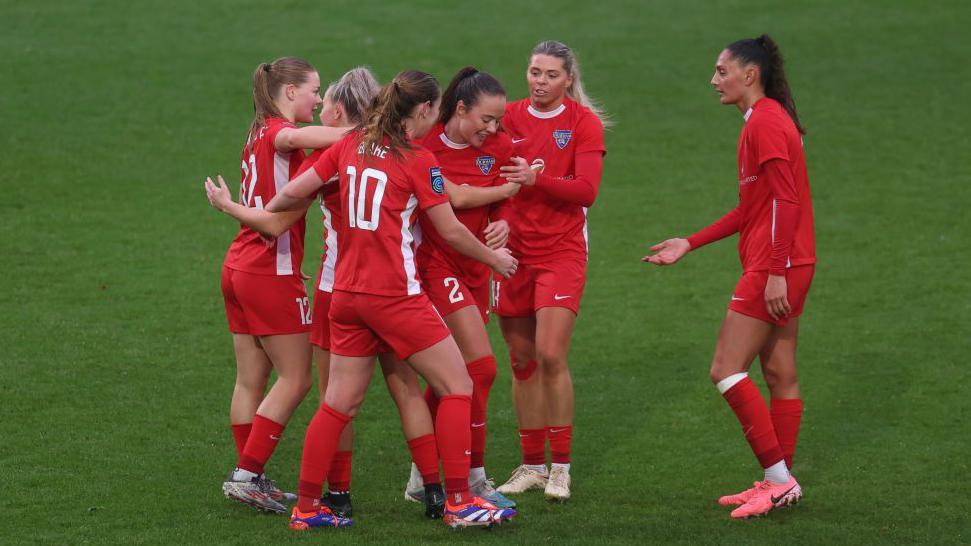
(115, 361)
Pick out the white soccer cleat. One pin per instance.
(558, 485)
(523, 479)
(415, 489)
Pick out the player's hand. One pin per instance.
(519, 172)
(511, 189)
(304, 276)
(496, 234)
(775, 297)
(219, 196)
(504, 263)
(668, 252)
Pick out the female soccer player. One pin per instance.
(344, 104)
(558, 134)
(470, 149)
(266, 302)
(378, 301)
(774, 220)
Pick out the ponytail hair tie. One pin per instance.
(266, 67)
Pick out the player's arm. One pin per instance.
(670, 251)
(462, 240)
(268, 224)
(785, 216)
(580, 190)
(309, 137)
(297, 193)
(463, 196)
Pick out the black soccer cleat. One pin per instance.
(339, 504)
(434, 501)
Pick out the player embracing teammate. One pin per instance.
(378, 303)
(774, 220)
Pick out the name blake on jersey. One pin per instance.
(377, 151)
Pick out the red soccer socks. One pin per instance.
(319, 446)
(262, 441)
(240, 435)
(753, 414)
(454, 442)
(786, 416)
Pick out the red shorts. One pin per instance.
(265, 305)
(749, 296)
(449, 294)
(320, 329)
(367, 325)
(557, 283)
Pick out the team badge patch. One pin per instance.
(485, 163)
(438, 182)
(562, 137)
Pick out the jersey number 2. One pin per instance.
(357, 197)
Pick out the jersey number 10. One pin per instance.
(357, 197)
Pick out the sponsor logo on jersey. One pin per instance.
(438, 182)
(562, 137)
(485, 163)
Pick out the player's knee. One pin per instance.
(523, 370)
(778, 380)
(552, 361)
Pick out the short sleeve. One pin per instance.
(273, 128)
(428, 183)
(326, 164)
(770, 143)
(590, 134)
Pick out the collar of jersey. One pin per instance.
(547, 115)
(451, 143)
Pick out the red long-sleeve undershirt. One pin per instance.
(785, 213)
(785, 217)
(582, 188)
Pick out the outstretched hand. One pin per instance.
(519, 172)
(668, 252)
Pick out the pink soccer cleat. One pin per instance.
(739, 499)
(767, 496)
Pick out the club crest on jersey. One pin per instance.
(438, 182)
(562, 137)
(485, 163)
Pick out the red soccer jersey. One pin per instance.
(265, 170)
(463, 164)
(769, 133)
(543, 226)
(381, 193)
(330, 208)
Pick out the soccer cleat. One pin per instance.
(276, 493)
(254, 492)
(486, 489)
(768, 496)
(479, 512)
(414, 490)
(739, 499)
(523, 479)
(434, 499)
(558, 485)
(322, 517)
(339, 504)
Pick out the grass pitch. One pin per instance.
(116, 365)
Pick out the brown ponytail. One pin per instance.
(385, 118)
(764, 52)
(467, 86)
(268, 79)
